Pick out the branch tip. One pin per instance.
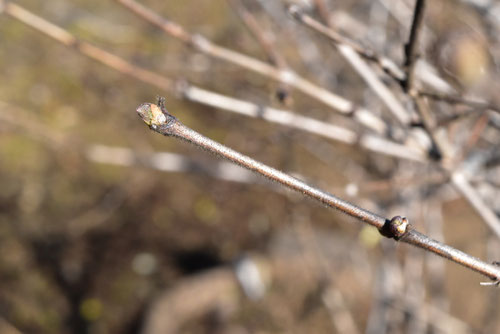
(155, 115)
(494, 281)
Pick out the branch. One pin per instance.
(464, 187)
(192, 93)
(162, 122)
(410, 49)
(369, 142)
(351, 52)
(265, 41)
(262, 37)
(398, 228)
(386, 64)
(426, 73)
(288, 77)
(89, 50)
(455, 99)
(439, 146)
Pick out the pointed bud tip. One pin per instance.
(151, 114)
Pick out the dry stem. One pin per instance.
(411, 47)
(351, 52)
(159, 120)
(288, 77)
(192, 93)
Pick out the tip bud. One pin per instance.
(151, 114)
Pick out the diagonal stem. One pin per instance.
(411, 46)
(168, 125)
(159, 120)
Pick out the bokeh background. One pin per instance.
(96, 238)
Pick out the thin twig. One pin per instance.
(322, 9)
(425, 73)
(386, 64)
(199, 95)
(369, 142)
(411, 46)
(307, 48)
(411, 57)
(457, 178)
(89, 50)
(459, 115)
(159, 120)
(265, 42)
(163, 122)
(292, 79)
(435, 267)
(261, 36)
(413, 294)
(348, 48)
(349, 53)
(464, 187)
(357, 63)
(438, 144)
(455, 99)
